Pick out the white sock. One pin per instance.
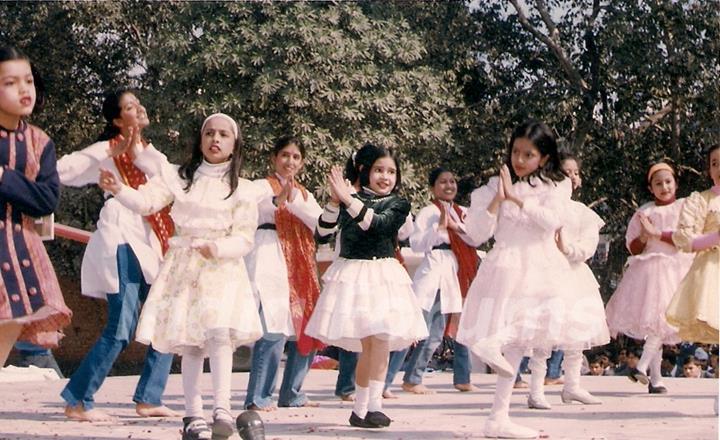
(192, 368)
(221, 354)
(376, 389)
(655, 372)
(362, 395)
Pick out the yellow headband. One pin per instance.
(658, 167)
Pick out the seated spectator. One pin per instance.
(667, 367)
(631, 361)
(692, 368)
(596, 368)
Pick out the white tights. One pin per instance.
(220, 352)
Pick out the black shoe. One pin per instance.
(636, 375)
(377, 418)
(195, 428)
(357, 422)
(250, 426)
(656, 390)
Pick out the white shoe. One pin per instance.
(538, 402)
(579, 395)
(507, 429)
(494, 358)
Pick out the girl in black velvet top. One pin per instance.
(367, 304)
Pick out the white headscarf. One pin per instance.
(222, 116)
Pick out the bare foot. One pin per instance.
(310, 404)
(465, 387)
(416, 389)
(387, 394)
(79, 414)
(557, 381)
(147, 410)
(521, 384)
(348, 397)
(268, 408)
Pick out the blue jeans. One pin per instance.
(423, 352)
(267, 354)
(347, 362)
(553, 364)
(123, 314)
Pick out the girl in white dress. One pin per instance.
(510, 306)
(201, 302)
(584, 310)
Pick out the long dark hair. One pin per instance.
(544, 140)
(356, 160)
(284, 141)
(188, 168)
(11, 53)
(708, 152)
(111, 110)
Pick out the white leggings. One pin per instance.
(220, 352)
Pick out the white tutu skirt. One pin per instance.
(524, 296)
(195, 299)
(362, 298)
(638, 306)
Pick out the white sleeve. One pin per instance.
(149, 198)
(546, 213)
(406, 229)
(583, 246)
(82, 167)
(425, 234)
(150, 160)
(480, 224)
(308, 211)
(242, 235)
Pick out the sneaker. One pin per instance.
(195, 428)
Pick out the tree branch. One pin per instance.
(575, 79)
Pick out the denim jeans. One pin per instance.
(422, 354)
(266, 357)
(123, 314)
(553, 364)
(347, 362)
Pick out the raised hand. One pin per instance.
(109, 182)
(443, 223)
(286, 193)
(125, 145)
(338, 185)
(648, 228)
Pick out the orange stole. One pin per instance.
(467, 259)
(160, 222)
(298, 246)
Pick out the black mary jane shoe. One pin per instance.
(656, 390)
(377, 418)
(357, 422)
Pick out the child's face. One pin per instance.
(17, 89)
(632, 360)
(288, 161)
(622, 357)
(132, 113)
(596, 369)
(570, 168)
(691, 370)
(383, 175)
(662, 185)
(445, 187)
(715, 166)
(218, 140)
(525, 157)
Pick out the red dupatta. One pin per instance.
(160, 222)
(298, 246)
(467, 260)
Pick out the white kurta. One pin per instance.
(195, 298)
(117, 225)
(438, 269)
(266, 262)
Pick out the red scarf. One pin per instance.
(298, 246)
(160, 222)
(467, 260)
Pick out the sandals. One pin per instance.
(195, 428)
